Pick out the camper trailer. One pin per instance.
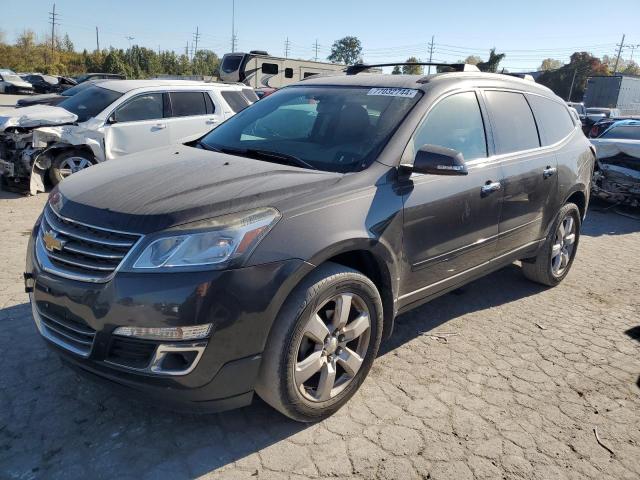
(258, 69)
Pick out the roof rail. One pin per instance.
(456, 67)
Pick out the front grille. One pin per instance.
(130, 352)
(70, 334)
(81, 250)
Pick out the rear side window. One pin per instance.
(270, 68)
(210, 107)
(236, 100)
(455, 122)
(143, 107)
(553, 118)
(514, 128)
(288, 72)
(185, 104)
(623, 133)
(250, 94)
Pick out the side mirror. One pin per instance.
(436, 160)
(112, 119)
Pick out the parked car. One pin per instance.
(54, 98)
(600, 126)
(617, 174)
(273, 254)
(10, 82)
(48, 83)
(596, 114)
(106, 121)
(100, 76)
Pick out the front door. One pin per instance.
(530, 171)
(192, 115)
(137, 125)
(450, 222)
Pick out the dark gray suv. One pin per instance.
(274, 254)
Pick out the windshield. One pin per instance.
(9, 77)
(602, 111)
(338, 129)
(231, 63)
(89, 102)
(629, 132)
(78, 88)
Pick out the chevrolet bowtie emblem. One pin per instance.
(52, 242)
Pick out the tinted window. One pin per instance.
(250, 94)
(210, 107)
(89, 102)
(143, 107)
(288, 72)
(623, 132)
(270, 68)
(236, 100)
(554, 119)
(340, 129)
(185, 104)
(455, 122)
(513, 126)
(231, 63)
(309, 74)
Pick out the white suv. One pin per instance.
(109, 120)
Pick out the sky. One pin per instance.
(527, 31)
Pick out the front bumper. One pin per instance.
(241, 304)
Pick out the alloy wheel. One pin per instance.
(72, 165)
(563, 245)
(333, 347)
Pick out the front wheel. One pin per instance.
(67, 163)
(322, 345)
(556, 255)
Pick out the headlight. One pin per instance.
(209, 244)
(194, 332)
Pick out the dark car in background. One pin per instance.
(55, 98)
(273, 254)
(100, 76)
(48, 83)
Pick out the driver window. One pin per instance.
(143, 107)
(455, 122)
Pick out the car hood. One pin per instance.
(39, 99)
(611, 147)
(19, 83)
(35, 116)
(165, 187)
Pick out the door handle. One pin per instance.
(490, 187)
(211, 121)
(549, 171)
(159, 126)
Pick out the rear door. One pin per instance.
(530, 172)
(192, 115)
(137, 124)
(451, 222)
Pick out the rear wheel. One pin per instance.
(67, 163)
(322, 345)
(556, 255)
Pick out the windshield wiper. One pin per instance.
(290, 159)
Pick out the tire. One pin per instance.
(542, 268)
(292, 345)
(61, 166)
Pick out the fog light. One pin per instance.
(194, 332)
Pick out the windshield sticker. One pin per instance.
(394, 92)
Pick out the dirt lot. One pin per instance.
(516, 393)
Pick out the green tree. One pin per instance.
(67, 44)
(492, 64)
(631, 68)
(347, 50)
(472, 60)
(205, 62)
(550, 64)
(583, 65)
(396, 70)
(412, 69)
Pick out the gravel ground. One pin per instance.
(516, 393)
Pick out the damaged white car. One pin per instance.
(617, 174)
(42, 143)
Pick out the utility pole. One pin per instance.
(97, 40)
(52, 20)
(196, 37)
(186, 49)
(316, 47)
(620, 47)
(572, 83)
(286, 48)
(233, 26)
(633, 49)
(430, 53)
